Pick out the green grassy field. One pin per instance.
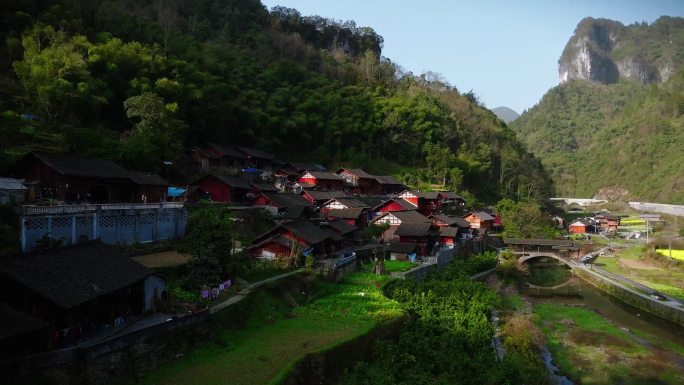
(591, 350)
(277, 333)
(630, 263)
(399, 265)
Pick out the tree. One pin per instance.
(157, 134)
(524, 220)
(208, 242)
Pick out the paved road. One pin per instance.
(246, 290)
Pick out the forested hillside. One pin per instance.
(144, 81)
(622, 141)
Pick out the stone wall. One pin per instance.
(632, 297)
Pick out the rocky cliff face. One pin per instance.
(606, 51)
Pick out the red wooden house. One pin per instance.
(480, 220)
(583, 226)
(215, 156)
(608, 222)
(448, 235)
(75, 179)
(326, 181)
(451, 198)
(396, 218)
(341, 203)
(359, 181)
(289, 238)
(427, 202)
(394, 204)
(283, 205)
(421, 234)
(223, 188)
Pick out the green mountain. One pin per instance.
(506, 114)
(145, 81)
(614, 126)
(618, 141)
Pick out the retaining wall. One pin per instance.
(634, 298)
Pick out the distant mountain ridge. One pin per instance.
(608, 131)
(606, 51)
(505, 113)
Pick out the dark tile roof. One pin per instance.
(325, 175)
(70, 276)
(397, 247)
(255, 153)
(275, 239)
(227, 150)
(341, 226)
(307, 231)
(450, 195)
(445, 218)
(324, 195)
(448, 231)
(432, 195)
(482, 215)
(352, 213)
(291, 212)
(307, 166)
(146, 178)
(410, 216)
(13, 322)
(413, 229)
(349, 202)
(372, 200)
(286, 199)
(264, 186)
(79, 166)
(356, 171)
(231, 181)
(388, 180)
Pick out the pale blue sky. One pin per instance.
(505, 51)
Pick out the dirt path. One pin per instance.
(635, 264)
(163, 259)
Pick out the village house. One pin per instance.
(217, 156)
(443, 220)
(344, 229)
(583, 226)
(451, 199)
(318, 198)
(257, 158)
(318, 180)
(223, 188)
(73, 179)
(397, 218)
(359, 181)
(449, 235)
(354, 216)
(289, 238)
(426, 202)
(259, 187)
(341, 203)
(77, 289)
(390, 205)
(421, 234)
(283, 205)
(389, 185)
(12, 191)
(480, 220)
(608, 222)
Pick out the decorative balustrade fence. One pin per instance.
(112, 224)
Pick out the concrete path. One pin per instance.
(244, 292)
